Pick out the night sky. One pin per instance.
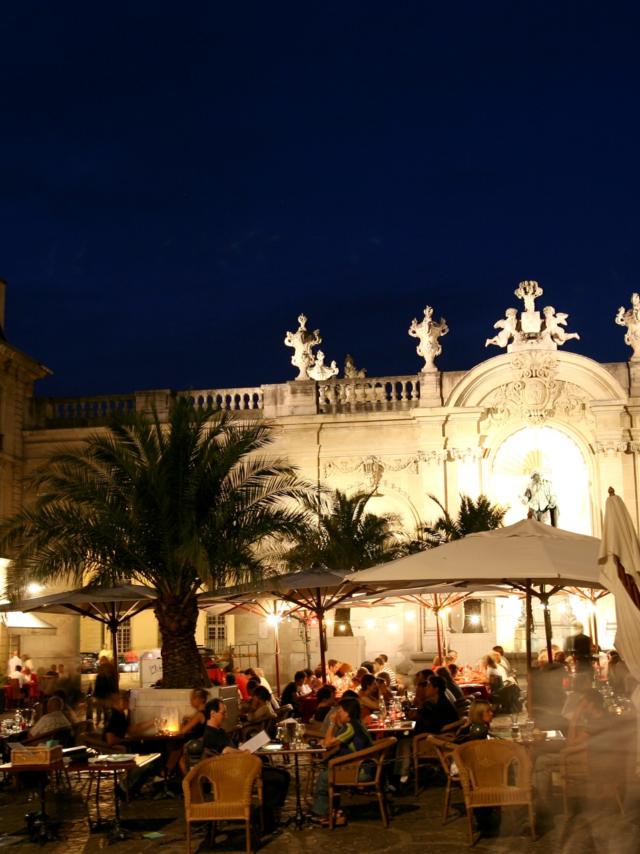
(180, 180)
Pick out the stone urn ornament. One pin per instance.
(428, 332)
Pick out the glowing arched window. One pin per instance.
(557, 457)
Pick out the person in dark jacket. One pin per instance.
(436, 712)
(291, 694)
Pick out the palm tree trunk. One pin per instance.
(181, 665)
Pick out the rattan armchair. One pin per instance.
(231, 782)
(444, 751)
(423, 751)
(344, 773)
(494, 773)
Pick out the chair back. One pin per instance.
(493, 763)
(14, 689)
(444, 751)
(231, 779)
(345, 770)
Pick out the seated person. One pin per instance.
(326, 701)
(382, 666)
(436, 712)
(345, 735)
(119, 727)
(66, 708)
(383, 681)
(306, 685)
(369, 695)
(260, 714)
(53, 721)
(478, 723)
(291, 694)
(452, 687)
(217, 742)
(192, 727)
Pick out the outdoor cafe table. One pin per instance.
(9, 737)
(275, 749)
(43, 770)
(111, 764)
(385, 730)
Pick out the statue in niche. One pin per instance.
(553, 326)
(541, 501)
(302, 342)
(631, 319)
(508, 327)
(350, 370)
(319, 371)
(428, 332)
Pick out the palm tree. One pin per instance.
(341, 535)
(179, 507)
(473, 516)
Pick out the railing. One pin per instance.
(80, 411)
(374, 393)
(231, 399)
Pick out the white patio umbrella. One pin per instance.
(530, 556)
(620, 573)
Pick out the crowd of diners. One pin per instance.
(347, 709)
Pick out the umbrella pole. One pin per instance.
(113, 628)
(436, 611)
(548, 633)
(323, 663)
(276, 638)
(528, 625)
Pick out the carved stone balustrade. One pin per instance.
(250, 399)
(372, 393)
(66, 412)
(80, 411)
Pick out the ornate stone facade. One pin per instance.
(403, 438)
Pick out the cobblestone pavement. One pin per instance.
(416, 827)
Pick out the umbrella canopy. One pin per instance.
(26, 624)
(620, 566)
(316, 590)
(522, 555)
(526, 550)
(110, 606)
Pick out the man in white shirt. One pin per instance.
(14, 662)
(382, 665)
(19, 675)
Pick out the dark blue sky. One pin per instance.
(179, 181)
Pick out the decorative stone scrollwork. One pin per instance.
(611, 447)
(320, 372)
(631, 319)
(374, 467)
(465, 454)
(634, 447)
(536, 394)
(303, 343)
(350, 370)
(434, 456)
(428, 332)
(531, 331)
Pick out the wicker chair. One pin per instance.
(423, 752)
(233, 780)
(444, 751)
(344, 773)
(494, 773)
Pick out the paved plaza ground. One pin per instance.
(416, 827)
